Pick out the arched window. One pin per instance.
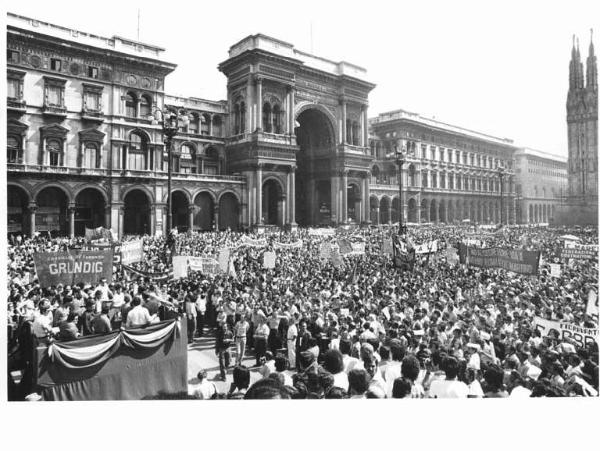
(266, 113)
(458, 181)
(54, 148)
(137, 155)
(375, 175)
(193, 125)
(217, 126)
(187, 163)
(242, 118)
(145, 106)
(90, 155)
(205, 124)
(442, 179)
(14, 149)
(412, 176)
(130, 105)
(424, 179)
(210, 162)
(276, 119)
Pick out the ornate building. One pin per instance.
(541, 185)
(451, 174)
(582, 128)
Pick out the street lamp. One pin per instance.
(170, 119)
(501, 173)
(400, 155)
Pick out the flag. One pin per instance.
(231, 270)
(403, 256)
(345, 246)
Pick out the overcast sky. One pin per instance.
(499, 68)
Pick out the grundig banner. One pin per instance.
(515, 260)
(70, 268)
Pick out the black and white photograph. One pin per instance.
(304, 203)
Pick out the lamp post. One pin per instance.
(501, 172)
(170, 119)
(400, 160)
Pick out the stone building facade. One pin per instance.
(450, 174)
(541, 185)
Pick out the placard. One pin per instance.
(515, 260)
(72, 267)
(562, 330)
(269, 260)
(132, 251)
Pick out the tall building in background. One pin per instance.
(582, 127)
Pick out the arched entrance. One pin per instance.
(136, 220)
(51, 215)
(180, 207)
(412, 210)
(204, 214)
(353, 195)
(90, 209)
(442, 210)
(385, 207)
(229, 213)
(16, 211)
(272, 203)
(315, 138)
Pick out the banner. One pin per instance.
(515, 260)
(321, 232)
(180, 266)
(132, 252)
(387, 246)
(156, 276)
(223, 259)
(562, 330)
(336, 259)
(358, 249)
(345, 246)
(296, 245)
(95, 234)
(452, 255)
(72, 267)
(205, 265)
(592, 305)
(269, 260)
(325, 251)
(402, 257)
(555, 270)
(247, 241)
(427, 248)
(579, 253)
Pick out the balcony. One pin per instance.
(46, 169)
(162, 175)
(92, 116)
(16, 105)
(55, 111)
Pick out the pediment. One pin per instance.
(92, 134)
(16, 126)
(54, 130)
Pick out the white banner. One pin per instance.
(269, 260)
(387, 246)
(427, 248)
(592, 305)
(224, 259)
(180, 266)
(132, 252)
(562, 330)
(205, 265)
(321, 232)
(325, 251)
(358, 249)
(297, 244)
(554, 269)
(247, 241)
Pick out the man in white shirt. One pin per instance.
(349, 362)
(393, 369)
(204, 389)
(449, 387)
(201, 311)
(292, 334)
(138, 316)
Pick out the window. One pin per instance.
(424, 179)
(434, 180)
(92, 98)
(217, 126)
(145, 106)
(12, 56)
(90, 156)
(441, 154)
(442, 180)
(210, 163)
(464, 155)
(13, 88)
(450, 181)
(449, 155)
(92, 72)
(137, 157)
(472, 160)
(239, 118)
(54, 148)
(193, 126)
(130, 107)
(276, 119)
(55, 64)
(205, 125)
(14, 149)
(423, 151)
(54, 92)
(187, 165)
(432, 150)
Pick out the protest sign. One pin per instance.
(387, 246)
(72, 267)
(269, 260)
(321, 232)
(563, 330)
(515, 260)
(253, 243)
(592, 305)
(452, 256)
(295, 245)
(358, 248)
(132, 252)
(180, 266)
(555, 270)
(580, 253)
(325, 251)
(223, 259)
(336, 259)
(427, 248)
(205, 265)
(345, 246)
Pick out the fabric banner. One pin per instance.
(403, 258)
(180, 266)
(387, 246)
(515, 260)
(269, 260)
(247, 241)
(205, 265)
(345, 246)
(298, 244)
(132, 252)
(579, 253)
(321, 232)
(592, 305)
(555, 270)
(223, 259)
(156, 276)
(427, 248)
(563, 330)
(72, 267)
(325, 251)
(452, 256)
(358, 249)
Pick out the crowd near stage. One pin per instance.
(424, 311)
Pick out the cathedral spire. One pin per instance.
(575, 67)
(592, 66)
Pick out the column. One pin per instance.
(335, 210)
(292, 109)
(71, 211)
(191, 211)
(365, 126)
(418, 212)
(32, 208)
(377, 217)
(367, 198)
(389, 213)
(292, 198)
(259, 219)
(216, 218)
(343, 105)
(210, 125)
(121, 221)
(258, 103)
(345, 195)
(107, 223)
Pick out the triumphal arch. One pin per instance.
(298, 131)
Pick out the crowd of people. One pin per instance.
(352, 329)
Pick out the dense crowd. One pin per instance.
(362, 328)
